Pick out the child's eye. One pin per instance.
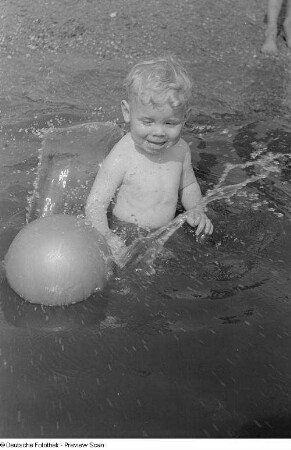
(172, 124)
(146, 121)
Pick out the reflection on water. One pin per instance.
(199, 347)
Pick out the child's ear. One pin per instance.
(125, 108)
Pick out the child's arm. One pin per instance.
(191, 198)
(108, 180)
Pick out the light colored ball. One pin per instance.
(57, 260)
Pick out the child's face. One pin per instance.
(153, 129)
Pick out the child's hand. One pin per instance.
(117, 247)
(198, 218)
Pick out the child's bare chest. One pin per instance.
(152, 176)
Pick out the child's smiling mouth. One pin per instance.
(156, 143)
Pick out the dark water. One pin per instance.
(200, 348)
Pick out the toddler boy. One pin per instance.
(150, 166)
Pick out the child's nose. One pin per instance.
(159, 130)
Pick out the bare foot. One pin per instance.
(269, 47)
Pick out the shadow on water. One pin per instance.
(195, 344)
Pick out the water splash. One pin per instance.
(147, 248)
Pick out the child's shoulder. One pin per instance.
(120, 149)
(182, 147)
(124, 144)
(183, 144)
